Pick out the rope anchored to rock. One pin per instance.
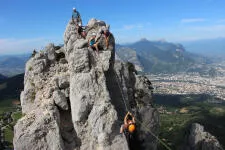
(146, 128)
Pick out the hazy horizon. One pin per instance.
(28, 25)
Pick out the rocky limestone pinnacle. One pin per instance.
(75, 99)
(199, 139)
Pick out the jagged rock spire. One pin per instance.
(74, 98)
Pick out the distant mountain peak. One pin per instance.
(162, 40)
(2, 77)
(159, 56)
(144, 39)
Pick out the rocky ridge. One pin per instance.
(73, 98)
(199, 139)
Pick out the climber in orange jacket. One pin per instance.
(129, 124)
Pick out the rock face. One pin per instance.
(201, 140)
(75, 99)
(130, 55)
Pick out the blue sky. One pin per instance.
(29, 24)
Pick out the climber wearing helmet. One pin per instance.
(92, 42)
(129, 124)
(76, 16)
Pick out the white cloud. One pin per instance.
(192, 20)
(200, 32)
(128, 27)
(15, 46)
(136, 26)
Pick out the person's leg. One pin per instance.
(96, 47)
(93, 48)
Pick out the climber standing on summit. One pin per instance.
(76, 17)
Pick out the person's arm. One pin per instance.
(133, 119)
(125, 118)
(107, 42)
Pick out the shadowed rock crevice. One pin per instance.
(116, 94)
(67, 131)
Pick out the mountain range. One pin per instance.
(11, 87)
(11, 65)
(2, 77)
(159, 56)
(147, 56)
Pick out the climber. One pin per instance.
(76, 16)
(106, 33)
(34, 53)
(81, 30)
(129, 124)
(92, 42)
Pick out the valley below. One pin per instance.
(186, 98)
(191, 83)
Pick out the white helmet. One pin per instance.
(93, 34)
(103, 28)
(74, 8)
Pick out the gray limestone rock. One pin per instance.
(60, 100)
(50, 50)
(64, 81)
(137, 93)
(201, 140)
(75, 99)
(38, 130)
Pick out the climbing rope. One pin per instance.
(160, 141)
(147, 129)
(121, 91)
(143, 125)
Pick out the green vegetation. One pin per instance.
(10, 89)
(180, 114)
(6, 105)
(8, 132)
(9, 136)
(17, 115)
(30, 68)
